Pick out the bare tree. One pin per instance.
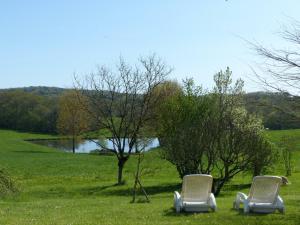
(120, 101)
(280, 70)
(282, 65)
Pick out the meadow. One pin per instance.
(63, 188)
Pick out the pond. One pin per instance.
(86, 146)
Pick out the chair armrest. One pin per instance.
(241, 198)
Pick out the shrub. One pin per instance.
(7, 185)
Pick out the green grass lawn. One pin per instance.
(62, 188)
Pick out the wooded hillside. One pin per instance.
(35, 109)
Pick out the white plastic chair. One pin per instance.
(263, 196)
(196, 194)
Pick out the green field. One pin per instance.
(62, 188)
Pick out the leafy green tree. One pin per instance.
(72, 118)
(212, 132)
(185, 122)
(263, 153)
(239, 134)
(161, 93)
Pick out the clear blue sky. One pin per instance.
(45, 42)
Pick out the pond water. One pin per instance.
(86, 146)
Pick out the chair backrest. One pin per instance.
(264, 189)
(196, 187)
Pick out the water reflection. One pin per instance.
(86, 146)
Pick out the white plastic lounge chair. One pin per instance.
(263, 196)
(196, 194)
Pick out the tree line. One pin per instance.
(36, 109)
(29, 112)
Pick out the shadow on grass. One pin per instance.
(236, 187)
(62, 192)
(106, 190)
(228, 189)
(151, 190)
(171, 213)
(115, 190)
(93, 190)
(167, 188)
(24, 151)
(240, 212)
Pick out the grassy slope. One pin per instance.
(61, 188)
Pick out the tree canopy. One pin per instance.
(212, 133)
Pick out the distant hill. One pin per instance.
(38, 90)
(278, 110)
(251, 97)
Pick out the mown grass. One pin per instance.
(62, 188)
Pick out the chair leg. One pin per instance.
(212, 202)
(177, 202)
(246, 207)
(234, 205)
(280, 204)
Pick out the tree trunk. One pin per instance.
(121, 164)
(288, 173)
(256, 171)
(73, 144)
(217, 186)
